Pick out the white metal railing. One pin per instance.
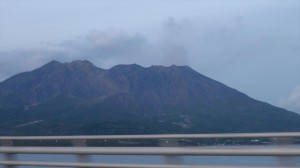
(157, 136)
(96, 165)
(261, 151)
(171, 153)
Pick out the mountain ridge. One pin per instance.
(77, 96)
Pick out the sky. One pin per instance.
(250, 45)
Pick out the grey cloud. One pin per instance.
(293, 101)
(173, 43)
(105, 44)
(174, 54)
(237, 51)
(22, 60)
(252, 46)
(102, 48)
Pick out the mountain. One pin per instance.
(79, 98)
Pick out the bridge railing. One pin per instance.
(172, 154)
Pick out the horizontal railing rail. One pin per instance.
(237, 151)
(99, 165)
(170, 153)
(157, 136)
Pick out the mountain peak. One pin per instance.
(80, 64)
(128, 67)
(169, 67)
(72, 63)
(52, 63)
(77, 64)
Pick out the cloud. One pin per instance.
(237, 50)
(246, 45)
(174, 54)
(172, 42)
(104, 48)
(293, 101)
(105, 44)
(20, 60)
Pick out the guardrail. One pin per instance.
(158, 136)
(171, 153)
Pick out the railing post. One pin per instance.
(285, 160)
(8, 156)
(81, 158)
(174, 160)
(171, 159)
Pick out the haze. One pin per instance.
(250, 45)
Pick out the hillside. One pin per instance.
(79, 98)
